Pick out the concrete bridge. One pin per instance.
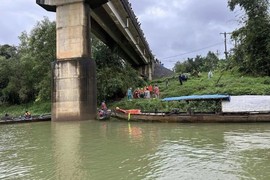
(74, 78)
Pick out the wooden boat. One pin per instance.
(195, 117)
(104, 115)
(233, 116)
(22, 119)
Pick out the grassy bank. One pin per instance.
(230, 83)
(33, 108)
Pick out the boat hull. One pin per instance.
(195, 118)
(25, 120)
(103, 116)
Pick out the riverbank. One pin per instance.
(37, 108)
(230, 83)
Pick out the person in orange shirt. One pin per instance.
(150, 88)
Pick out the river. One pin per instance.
(132, 150)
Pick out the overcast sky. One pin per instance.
(174, 29)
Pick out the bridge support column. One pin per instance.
(74, 90)
(74, 78)
(150, 72)
(146, 71)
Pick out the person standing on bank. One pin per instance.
(167, 83)
(180, 79)
(210, 74)
(129, 94)
(156, 91)
(147, 94)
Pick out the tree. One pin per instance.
(210, 62)
(37, 52)
(197, 64)
(8, 73)
(7, 54)
(252, 53)
(8, 51)
(30, 65)
(114, 75)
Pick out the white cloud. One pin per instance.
(17, 16)
(156, 12)
(184, 28)
(173, 28)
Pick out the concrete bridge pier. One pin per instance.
(74, 72)
(74, 90)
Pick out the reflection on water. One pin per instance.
(125, 150)
(66, 143)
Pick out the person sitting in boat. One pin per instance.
(27, 114)
(6, 117)
(103, 110)
(104, 106)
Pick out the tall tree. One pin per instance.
(197, 64)
(8, 51)
(210, 62)
(252, 54)
(31, 67)
(37, 52)
(9, 75)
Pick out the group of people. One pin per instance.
(27, 115)
(146, 92)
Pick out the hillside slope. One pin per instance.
(160, 72)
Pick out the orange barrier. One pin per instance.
(129, 111)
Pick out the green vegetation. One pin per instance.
(199, 64)
(252, 52)
(231, 83)
(25, 71)
(114, 75)
(33, 108)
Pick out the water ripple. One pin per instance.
(119, 150)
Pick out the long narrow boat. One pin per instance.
(233, 112)
(195, 117)
(22, 119)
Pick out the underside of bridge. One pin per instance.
(74, 78)
(114, 23)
